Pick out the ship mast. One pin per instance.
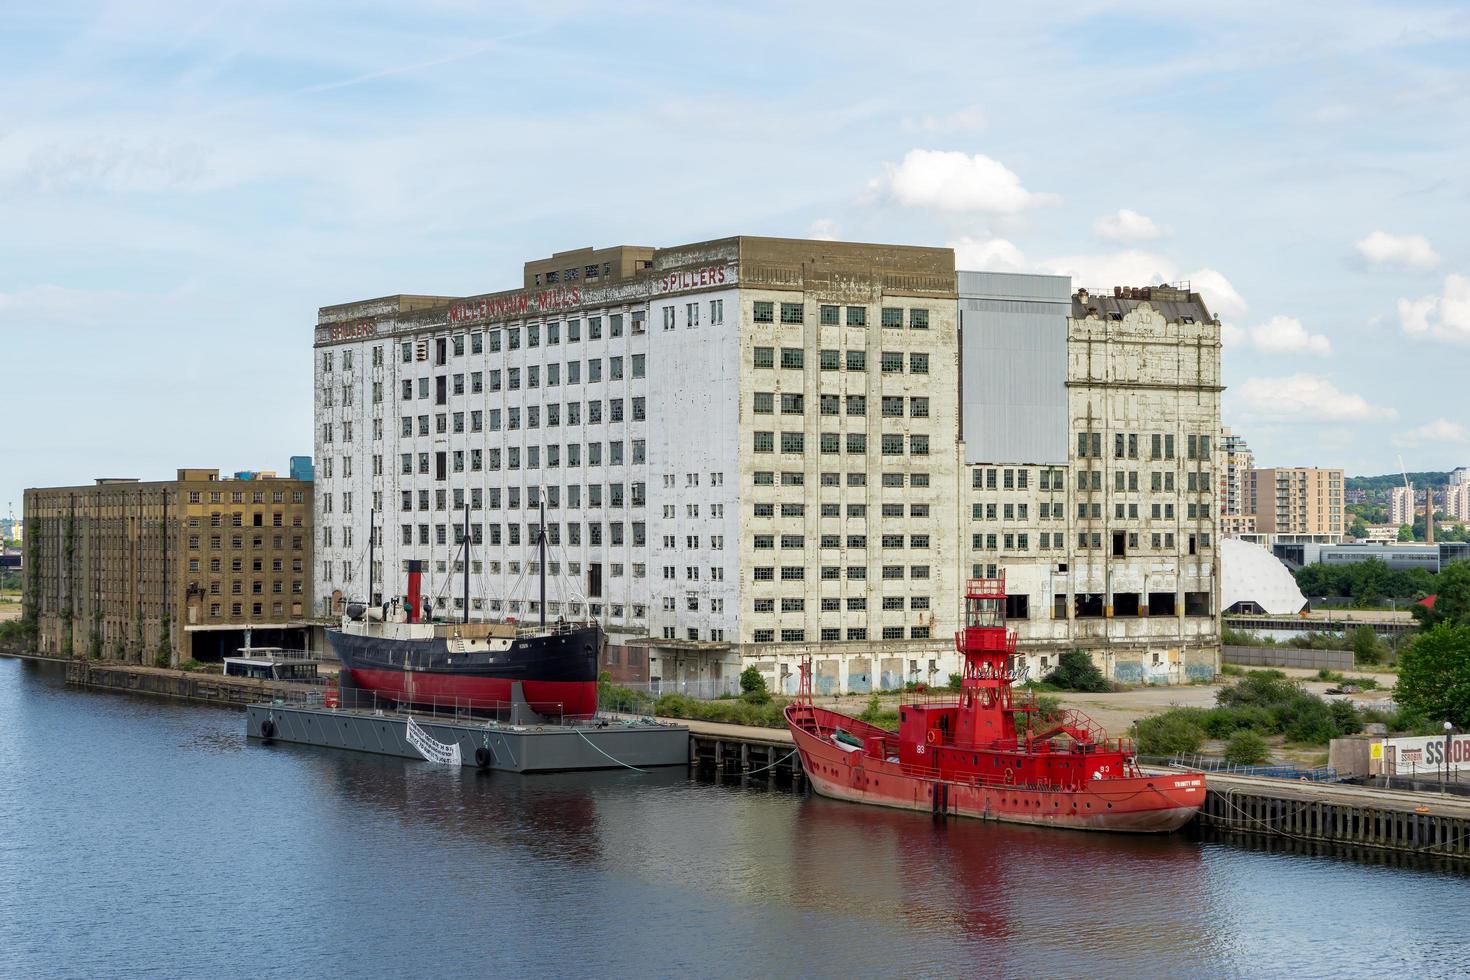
(541, 543)
(372, 523)
(466, 562)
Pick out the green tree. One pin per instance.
(1434, 674)
(1406, 532)
(1451, 597)
(753, 686)
(1358, 528)
(1366, 646)
(1075, 671)
(1245, 748)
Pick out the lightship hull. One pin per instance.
(1134, 804)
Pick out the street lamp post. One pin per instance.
(1449, 729)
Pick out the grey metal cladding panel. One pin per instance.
(1015, 394)
(1018, 285)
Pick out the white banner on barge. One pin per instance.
(1420, 754)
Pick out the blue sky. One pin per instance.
(182, 185)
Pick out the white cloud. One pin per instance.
(1305, 398)
(969, 119)
(1438, 431)
(1442, 317)
(1100, 273)
(1278, 335)
(1402, 251)
(823, 230)
(1127, 225)
(1219, 294)
(988, 255)
(947, 180)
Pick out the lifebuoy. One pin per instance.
(931, 736)
(1010, 776)
(482, 757)
(267, 729)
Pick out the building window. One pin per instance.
(764, 357)
(791, 357)
(792, 313)
(763, 312)
(892, 317)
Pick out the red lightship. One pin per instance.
(989, 753)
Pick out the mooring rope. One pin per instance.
(605, 755)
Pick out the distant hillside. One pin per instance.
(1420, 480)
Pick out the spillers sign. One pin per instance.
(352, 331)
(704, 278)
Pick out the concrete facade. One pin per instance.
(1113, 550)
(176, 569)
(743, 445)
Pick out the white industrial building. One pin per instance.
(750, 451)
(745, 447)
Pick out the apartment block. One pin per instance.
(1298, 501)
(170, 570)
(1089, 430)
(1402, 505)
(1236, 461)
(746, 451)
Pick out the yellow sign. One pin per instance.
(1376, 751)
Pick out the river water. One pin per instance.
(141, 837)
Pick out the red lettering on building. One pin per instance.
(352, 331)
(710, 275)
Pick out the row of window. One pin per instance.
(457, 461)
(256, 588)
(765, 542)
(238, 541)
(1049, 540)
(794, 358)
(859, 510)
(892, 444)
(617, 533)
(1126, 446)
(985, 478)
(764, 311)
(834, 604)
(442, 423)
(794, 478)
(238, 565)
(256, 609)
(238, 496)
(237, 519)
(794, 403)
(832, 634)
(797, 573)
(440, 387)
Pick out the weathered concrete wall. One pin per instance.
(1288, 657)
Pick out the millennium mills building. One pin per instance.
(754, 450)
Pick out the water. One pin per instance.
(143, 837)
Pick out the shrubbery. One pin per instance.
(1245, 748)
(1075, 671)
(1264, 703)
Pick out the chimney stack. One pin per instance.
(1429, 515)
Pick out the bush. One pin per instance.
(1367, 648)
(1175, 732)
(1232, 670)
(955, 681)
(1075, 671)
(753, 686)
(1245, 748)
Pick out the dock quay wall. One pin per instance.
(185, 685)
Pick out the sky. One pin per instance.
(183, 185)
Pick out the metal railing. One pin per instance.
(1215, 764)
(473, 710)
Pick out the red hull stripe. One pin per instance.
(571, 698)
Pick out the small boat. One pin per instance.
(988, 752)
